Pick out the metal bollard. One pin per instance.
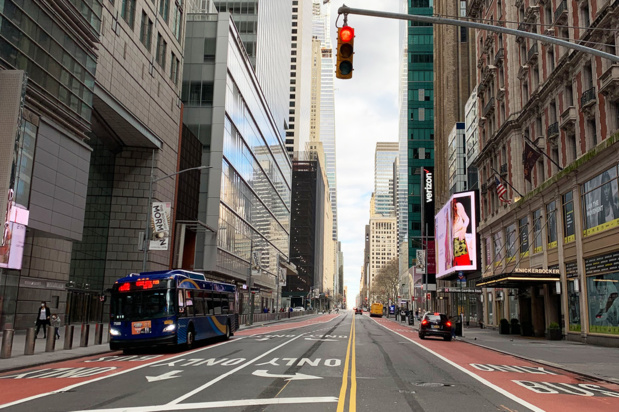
(7, 343)
(29, 346)
(98, 333)
(50, 343)
(68, 337)
(84, 335)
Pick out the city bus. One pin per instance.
(376, 310)
(169, 308)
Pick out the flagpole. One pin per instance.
(542, 152)
(508, 184)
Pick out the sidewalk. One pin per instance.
(597, 362)
(18, 360)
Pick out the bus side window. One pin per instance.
(198, 302)
(181, 302)
(189, 294)
(208, 302)
(217, 303)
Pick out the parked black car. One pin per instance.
(435, 324)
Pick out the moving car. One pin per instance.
(358, 311)
(299, 309)
(435, 324)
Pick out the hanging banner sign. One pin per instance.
(160, 226)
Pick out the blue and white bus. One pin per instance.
(175, 307)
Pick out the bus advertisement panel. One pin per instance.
(456, 235)
(175, 307)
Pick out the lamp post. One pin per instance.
(149, 206)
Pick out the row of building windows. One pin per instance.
(127, 12)
(600, 211)
(31, 41)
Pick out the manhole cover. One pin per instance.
(431, 384)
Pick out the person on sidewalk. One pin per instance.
(43, 316)
(56, 324)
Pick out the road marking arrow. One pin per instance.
(262, 340)
(263, 373)
(323, 340)
(167, 375)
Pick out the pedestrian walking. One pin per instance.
(56, 324)
(43, 317)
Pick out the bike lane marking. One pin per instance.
(542, 386)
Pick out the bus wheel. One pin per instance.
(191, 338)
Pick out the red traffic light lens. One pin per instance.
(347, 33)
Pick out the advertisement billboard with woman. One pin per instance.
(456, 234)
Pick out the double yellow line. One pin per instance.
(352, 403)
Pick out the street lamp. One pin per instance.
(149, 206)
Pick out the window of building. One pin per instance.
(551, 224)
(146, 31)
(177, 20)
(164, 9)
(537, 231)
(510, 252)
(569, 228)
(127, 11)
(209, 49)
(174, 65)
(25, 161)
(162, 47)
(600, 201)
(524, 236)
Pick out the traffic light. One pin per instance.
(345, 52)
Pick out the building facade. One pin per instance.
(382, 246)
(242, 223)
(559, 109)
(385, 155)
(420, 119)
(101, 112)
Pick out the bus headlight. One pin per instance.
(114, 332)
(170, 328)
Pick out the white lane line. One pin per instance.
(220, 404)
(471, 374)
(113, 375)
(225, 375)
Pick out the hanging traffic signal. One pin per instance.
(345, 52)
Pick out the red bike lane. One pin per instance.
(64, 375)
(536, 386)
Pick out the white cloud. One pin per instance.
(366, 112)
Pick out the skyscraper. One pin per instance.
(420, 117)
(322, 31)
(384, 178)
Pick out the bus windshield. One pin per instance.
(141, 305)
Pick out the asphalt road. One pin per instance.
(331, 363)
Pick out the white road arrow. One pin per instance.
(323, 340)
(262, 340)
(167, 375)
(296, 377)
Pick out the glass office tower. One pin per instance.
(420, 119)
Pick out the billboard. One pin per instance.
(455, 227)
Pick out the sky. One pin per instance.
(366, 112)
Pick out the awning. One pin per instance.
(520, 278)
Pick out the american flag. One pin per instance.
(501, 191)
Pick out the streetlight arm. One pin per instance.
(182, 171)
(149, 205)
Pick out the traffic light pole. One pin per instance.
(345, 10)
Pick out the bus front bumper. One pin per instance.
(117, 344)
